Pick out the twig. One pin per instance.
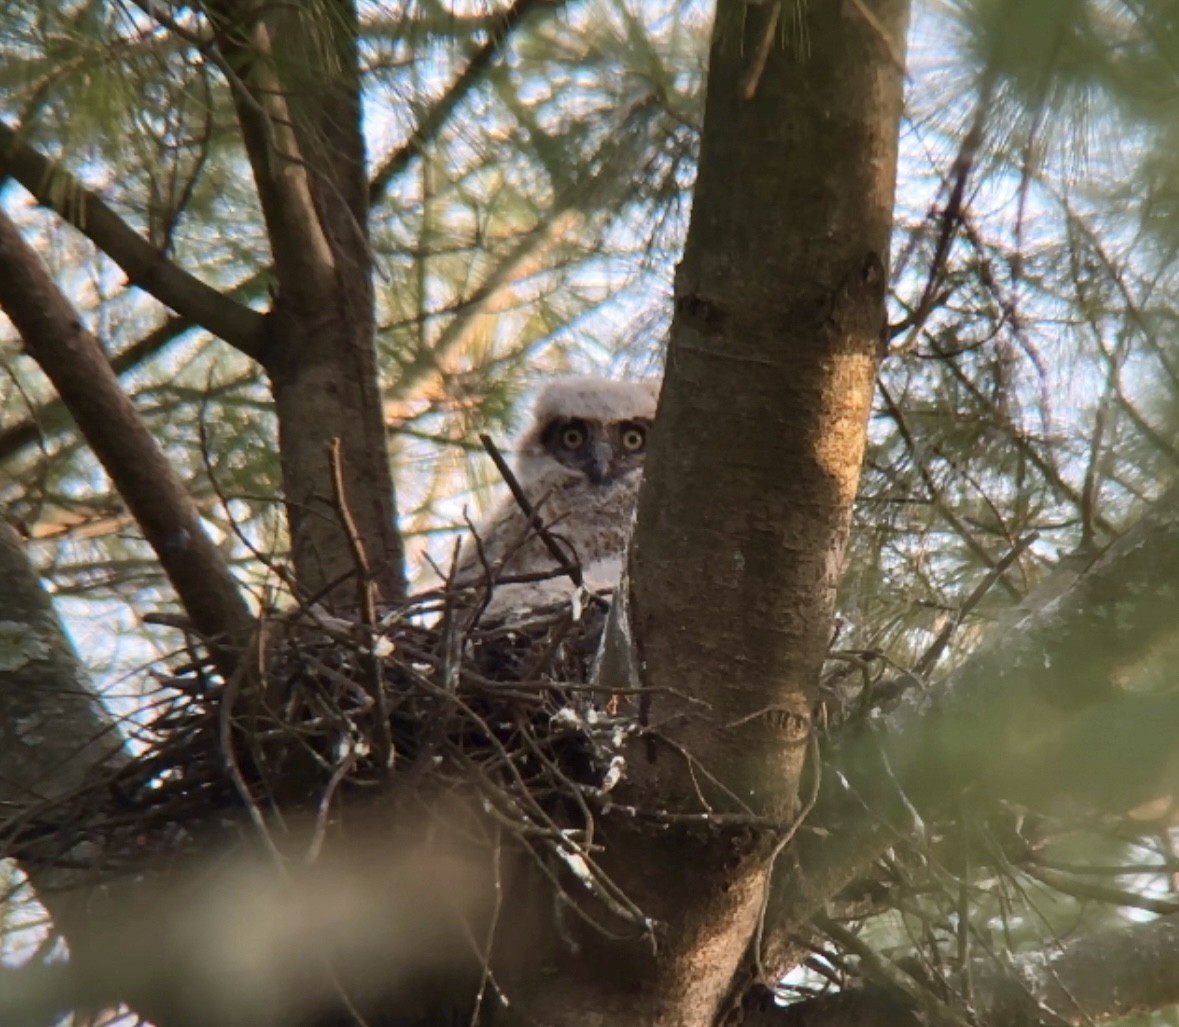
(949, 220)
(367, 602)
(886, 971)
(233, 767)
(761, 54)
(886, 40)
(319, 832)
(895, 412)
(486, 977)
(931, 655)
(573, 570)
(1104, 893)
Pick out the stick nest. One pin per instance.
(428, 694)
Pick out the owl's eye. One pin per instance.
(573, 436)
(633, 438)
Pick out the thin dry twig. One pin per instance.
(928, 659)
(366, 597)
(573, 570)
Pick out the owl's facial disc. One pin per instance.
(602, 452)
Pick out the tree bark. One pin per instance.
(751, 474)
(57, 740)
(778, 326)
(56, 733)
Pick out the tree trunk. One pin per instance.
(56, 732)
(59, 745)
(298, 101)
(744, 514)
(779, 321)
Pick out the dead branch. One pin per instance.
(537, 524)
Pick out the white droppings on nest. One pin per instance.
(575, 861)
(348, 747)
(568, 717)
(382, 647)
(613, 774)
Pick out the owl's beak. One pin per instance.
(601, 459)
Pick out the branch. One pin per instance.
(1096, 979)
(499, 35)
(55, 736)
(535, 521)
(145, 266)
(73, 360)
(54, 731)
(33, 428)
(302, 254)
(1039, 708)
(936, 494)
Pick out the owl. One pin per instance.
(580, 464)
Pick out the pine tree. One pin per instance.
(899, 605)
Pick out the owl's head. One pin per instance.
(591, 427)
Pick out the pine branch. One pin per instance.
(145, 266)
(1088, 980)
(500, 34)
(73, 360)
(526, 258)
(1039, 709)
(36, 425)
